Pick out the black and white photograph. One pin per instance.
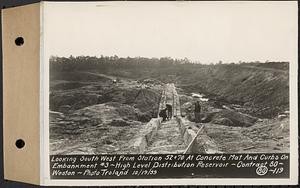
(112, 105)
(210, 84)
(170, 78)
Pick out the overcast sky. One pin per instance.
(202, 31)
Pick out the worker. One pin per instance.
(163, 114)
(197, 112)
(169, 107)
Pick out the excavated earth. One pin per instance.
(229, 131)
(91, 113)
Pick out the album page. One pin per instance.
(169, 93)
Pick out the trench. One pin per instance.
(170, 136)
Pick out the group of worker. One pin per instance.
(166, 113)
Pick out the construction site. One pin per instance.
(102, 113)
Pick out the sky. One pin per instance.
(206, 32)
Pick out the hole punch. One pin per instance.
(20, 143)
(19, 41)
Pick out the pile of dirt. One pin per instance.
(67, 101)
(111, 113)
(216, 114)
(100, 117)
(145, 100)
(83, 134)
(263, 93)
(267, 136)
(275, 129)
(231, 118)
(128, 112)
(71, 98)
(226, 117)
(119, 123)
(105, 112)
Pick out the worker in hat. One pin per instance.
(197, 111)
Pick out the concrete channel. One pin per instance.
(173, 136)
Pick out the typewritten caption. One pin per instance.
(262, 165)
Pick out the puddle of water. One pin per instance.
(200, 96)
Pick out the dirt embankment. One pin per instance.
(230, 131)
(269, 136)
(91, 113)
(84, 90)
(261, 92)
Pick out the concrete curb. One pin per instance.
(202, 144)
(151, 129)
(187, 134)
(148, 133)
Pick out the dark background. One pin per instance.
(11, 184)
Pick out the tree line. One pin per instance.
(67, 64)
